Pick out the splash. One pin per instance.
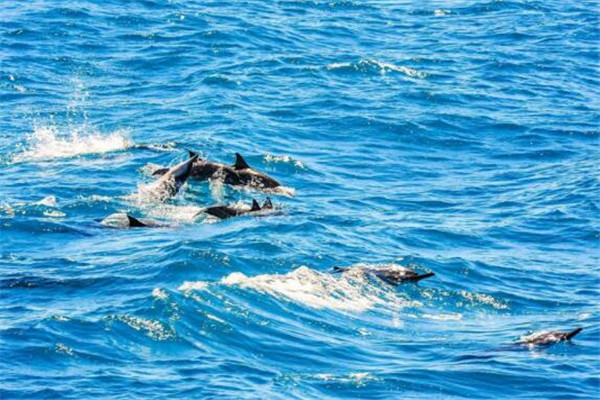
(270, 158)
(6, 209)
(278, 191)
(180, 213)
(48, 201)
(349, 292)
(46, 142)
(63, 348)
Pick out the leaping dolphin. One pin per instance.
(238, 174)
(224, 212)
(548, 338)
(391, 273)
(171, 180)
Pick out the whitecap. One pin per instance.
(348, 292)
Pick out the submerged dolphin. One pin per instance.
(548, 338)
(224, 212)
(123, 220)
(392, 274)
(171, 180)
(238, 174)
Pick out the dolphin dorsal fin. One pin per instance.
(267, 204)
(240, 163)
(134, 222)
(255, 206)
(571, 334)
(192, 153)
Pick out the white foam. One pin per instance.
(270, 158)
(483, 299)
(48, 201)
(359, 379)
(279, 190)
(63, 348)
(159, 294)
(7, 209)
(443, 317)
(346, 292)
(152, 328)
(185, 286)
(54, 214)
(46, 142)
(172, 212)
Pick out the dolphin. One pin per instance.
(238, 174)
(391, 273)
(172, 179)
(224, 212)
(548, 338)
(124, 220)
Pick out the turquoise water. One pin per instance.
(453, 137)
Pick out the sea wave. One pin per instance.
(367, 65)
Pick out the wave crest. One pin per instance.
(366, 65)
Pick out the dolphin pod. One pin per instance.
(240, 173)
(224, 212)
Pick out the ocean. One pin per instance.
(454, 137)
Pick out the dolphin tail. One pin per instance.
(422, 276)
(571, 334)
(134, 222)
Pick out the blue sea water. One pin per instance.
(451, 136)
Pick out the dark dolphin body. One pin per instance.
(238, 174)
(548, 338)
(224, 212)
(392, 274)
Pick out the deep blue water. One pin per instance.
(456, 137)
